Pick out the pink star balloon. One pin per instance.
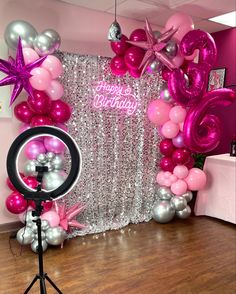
(18, 73)
(154, 47)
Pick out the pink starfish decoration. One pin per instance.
(67, 217)
(154, 47)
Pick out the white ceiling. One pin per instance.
(158, 11)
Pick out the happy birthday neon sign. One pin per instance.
(114, 97)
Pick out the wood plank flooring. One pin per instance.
(194, 256)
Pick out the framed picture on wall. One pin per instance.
(216, 79)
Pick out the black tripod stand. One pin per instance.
(41, 276)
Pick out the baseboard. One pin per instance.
(10, 227)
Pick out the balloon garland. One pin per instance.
(44, 106)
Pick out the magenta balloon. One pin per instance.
(180, 156)
(166, 147)
(40, 102)
(138, 35)
(60, 111)
(178, 141)
(120, 47)
(190, 163)
(133, 57)
(33, 149)
(135, 73)
(118, 66)
(166, 73)
(166, 164)
(53, 144)
(41, 120)
(16, 203)
(23, 112)
(202, 131)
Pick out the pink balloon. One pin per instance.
(120, 47)
(62, 126)
(170, 129)
(40, 79)
(133, 57)
(135, 73)
(46, 205)
(53, 144)
(196, 179)
(158, 112)
(23, 112)
(52, 217)
(33, 149)
(180, 156)
(166, 147)
(24, 127)
(41, 120)
(138, 35)
(55, 90)
(178, 60)
(181, 126)
(118, 66)
(178, 141)
(53, 65)
(29, 55)
(179, 187)
(40, 102)
(190, 163)
(166, 164)
(180, 171)
(31, 182)
(165, 73)
(192, 57)
(173, 179)
(177, 114)
(160, 179)
(60, 111)
(16, 203)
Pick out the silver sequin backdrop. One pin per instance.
(120, 151)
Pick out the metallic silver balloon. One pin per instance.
(163, 212)
(114, 32)
(155, 66)
(29, 218)
(164, 193)
(34, 246)
(188, 196)
(52, 180)
(44, 225)
(50, 156)
(43, 236)
(183, 214)
(165, 96)
(58, 162)
(49, 165)
(178, 202)
(43, 45)
(19, 28)
(30, 167)
(42, 158)
(171, 48)
(55, 236)
(34, 228)
(52, 34)
(25, 236)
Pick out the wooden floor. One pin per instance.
(197, 255)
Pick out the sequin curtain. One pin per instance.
(120, 151)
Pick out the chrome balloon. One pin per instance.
(183, 214)
(34, 246)
(55, 236)
(163, 212)
(25, 236)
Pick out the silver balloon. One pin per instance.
(29, 218)
(34, 246)
(163, 211)
(55, 236)
(52, 180)
(165, 95)
(30, 168)
(44, 225)
(155, 66)
(164, 193)
(43, 45)
(114, 32)
(43, 236)
(183, 214)
(52, 34)
(34, 228)
(171, 48)
(156, 34)
(25, 236)
(178, 202)
(49, 165)
(42, 158)
(50, 156)
(58, 162)
(19, 28)
(188, 196)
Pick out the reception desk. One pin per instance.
(218, 198)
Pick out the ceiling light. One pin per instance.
(228, 19)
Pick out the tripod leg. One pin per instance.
(42, 286)
(31, 284)
(53, 285)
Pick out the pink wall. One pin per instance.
(83, 31)
(226, 46)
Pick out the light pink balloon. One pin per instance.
(173, 179)
(55, 90)
(170, 129)
(181, 126)
(167, 183)
(158, 112)
(40, 79)
(29, 55)
(196, 179)
(179, 187)
(52, 217)
(62, 126)
(53, 144)
(180, 171)
(24, 127)
(177, 114)
(53, 65)
(33, 149)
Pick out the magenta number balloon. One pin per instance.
(182, 92)
(202, 131)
